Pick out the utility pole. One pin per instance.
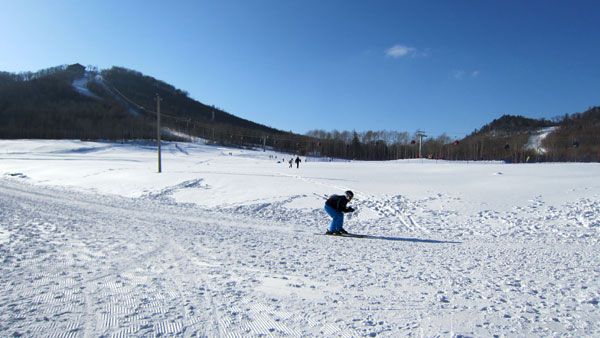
(213, 126)
(158, 129)
(420, 135)
(187, 126)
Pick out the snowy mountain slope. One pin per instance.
(535, 140)
(81, 86)
(222, 244)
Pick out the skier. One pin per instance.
(298, 160)
(335, 206)
(291, 161)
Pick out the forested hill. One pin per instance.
(115, 104)
(572, 137)
(139, 89)
(78, 102)
(512, 123)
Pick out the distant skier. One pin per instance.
(335, 206)
(291, 162)
(298, 160)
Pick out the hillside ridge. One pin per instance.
(78, 102)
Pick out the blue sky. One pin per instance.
(440, 66)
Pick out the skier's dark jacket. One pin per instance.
(338, 202)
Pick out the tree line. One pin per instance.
(573, 137)
(45, 104)
(375, 145)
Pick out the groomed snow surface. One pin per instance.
(228, 243)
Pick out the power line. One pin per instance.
(261, 135)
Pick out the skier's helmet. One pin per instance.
(349, 194)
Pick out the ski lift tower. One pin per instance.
(420, 135)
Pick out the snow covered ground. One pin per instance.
(227, 243)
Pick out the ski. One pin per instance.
(344, 235)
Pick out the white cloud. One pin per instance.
(399, 51)
(458, 74)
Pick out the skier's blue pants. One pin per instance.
(338, 218)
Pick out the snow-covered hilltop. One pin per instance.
(227, 243)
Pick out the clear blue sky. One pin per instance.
(439, 66)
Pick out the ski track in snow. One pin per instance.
(78, 264)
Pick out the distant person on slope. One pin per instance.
(298, 160)
(291, 161)
(335, 207)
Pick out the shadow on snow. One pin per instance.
(401, 239)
